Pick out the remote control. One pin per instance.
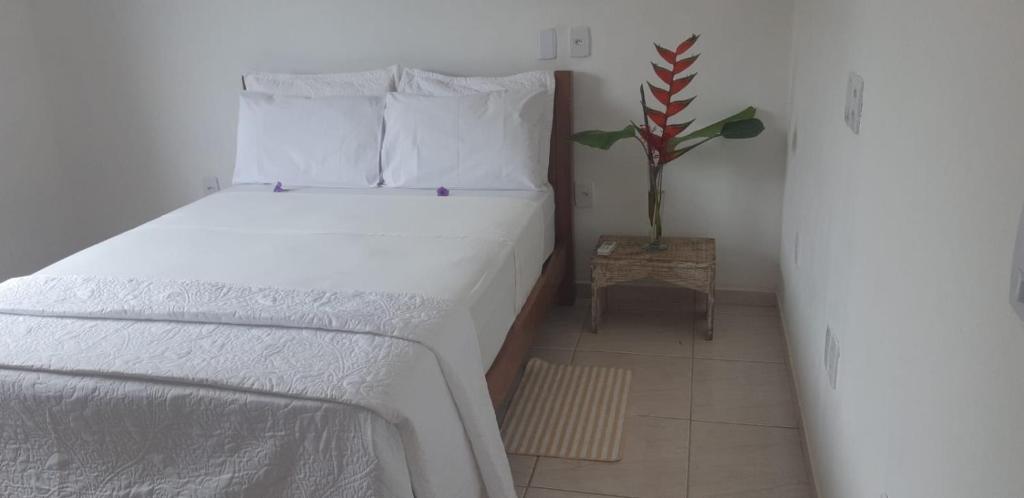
(606, 248)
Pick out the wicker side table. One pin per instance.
(687, 262)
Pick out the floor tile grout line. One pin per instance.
(704, 421)
(579, 338)
(737, 313)
(533, 471)
(760, 362)
(578, 492)
(631, 353)
(744, 424)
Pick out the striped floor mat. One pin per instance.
(568, 411)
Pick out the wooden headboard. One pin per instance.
(561, 177)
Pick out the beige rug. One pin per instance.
(568, 411)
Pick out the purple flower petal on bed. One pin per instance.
(442, 192)
(279, 188)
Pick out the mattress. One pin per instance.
(379, 239)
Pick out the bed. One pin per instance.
(275, 344)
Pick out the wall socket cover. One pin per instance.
(796, 250)
(831, 357)
(211, 184)
(579, 41)
(583, 195)
(794, 138)
(828, 346)
(854, 102)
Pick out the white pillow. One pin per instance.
(497, 140)
(376, 82)
(429, 83)
(325, 142)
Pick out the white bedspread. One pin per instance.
(250, 340)
(253, 398)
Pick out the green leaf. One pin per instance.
(680, 152)
(745, 128)
(713, 130)
(603, 140)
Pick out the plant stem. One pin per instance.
(654, 199)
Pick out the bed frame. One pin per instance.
(557, 282)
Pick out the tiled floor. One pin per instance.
(706, 419)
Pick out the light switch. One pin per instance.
(548, 44)
(579, 41)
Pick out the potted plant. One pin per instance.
(663, 141)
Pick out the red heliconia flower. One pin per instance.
(662, 137)
(658, 137)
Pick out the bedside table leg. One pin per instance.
(596, 305)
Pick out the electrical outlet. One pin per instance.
(211, 184)
(794, 139)
(828, 347)
(796, 250)
(854, 102)
(1020, 285)
(579, 41)
(584, 195)
(834, 379)
(832, 356)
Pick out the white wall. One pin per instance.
(145, 92)
(34, 197)
(906, 234)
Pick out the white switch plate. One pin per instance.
(211, 184)
(854, 102)
(548, 44)
(579, 41)
(584, 195)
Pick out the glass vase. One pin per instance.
(654, 198)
